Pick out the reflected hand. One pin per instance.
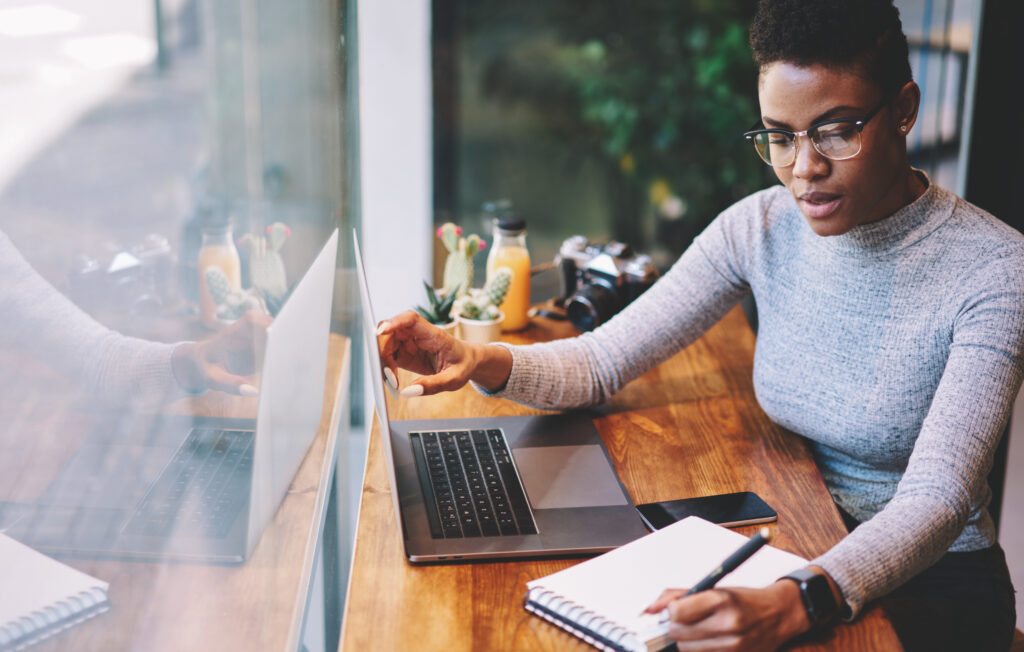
(223, 361)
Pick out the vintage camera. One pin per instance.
(135, 281)
(598, 281)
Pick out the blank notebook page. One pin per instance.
(40, 596)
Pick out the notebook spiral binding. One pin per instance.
(596, 630)
(53, 619)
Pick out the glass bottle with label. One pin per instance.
(218, 250)
(509, 250)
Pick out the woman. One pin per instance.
(891, 335)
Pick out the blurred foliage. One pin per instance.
(659, 90)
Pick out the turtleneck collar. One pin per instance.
(901, 229)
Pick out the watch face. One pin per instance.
(818, 599)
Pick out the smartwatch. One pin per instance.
(816, 594)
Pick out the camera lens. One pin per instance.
(591, 306)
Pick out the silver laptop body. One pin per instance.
(575, 503)
(194, 488)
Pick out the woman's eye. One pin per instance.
(836, 131)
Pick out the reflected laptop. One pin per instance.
(195, 488)
(498, 487)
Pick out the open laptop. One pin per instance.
(498, 487)
(194, 488)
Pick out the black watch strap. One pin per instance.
(816, 594)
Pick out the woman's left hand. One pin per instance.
(733, 618)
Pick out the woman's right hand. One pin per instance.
(445, 363)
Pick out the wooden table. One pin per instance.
(259, 605)
(689, 427)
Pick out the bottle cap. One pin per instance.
(511, 223)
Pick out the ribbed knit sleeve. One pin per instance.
(690, 298)
(41, 321)
(946, 477)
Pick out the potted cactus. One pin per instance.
(458, 266)
(477, 312)
(458, 277)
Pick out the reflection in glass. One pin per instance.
(624, 121)
(126, 423)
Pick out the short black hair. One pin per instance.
(834, 33)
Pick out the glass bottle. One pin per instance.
(509, 250)
(217, 250)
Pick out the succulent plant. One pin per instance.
(439, 308)
(266, 268)
(231, 303)
(483, 304)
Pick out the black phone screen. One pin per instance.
(742, 508)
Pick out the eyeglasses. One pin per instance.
(835, 139)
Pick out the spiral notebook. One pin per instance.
(600, 600)
(40, 597)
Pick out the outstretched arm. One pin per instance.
(42, 322)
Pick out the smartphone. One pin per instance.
(730, 510)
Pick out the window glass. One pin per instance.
(164, 167)
(940, 34)
(624, 121)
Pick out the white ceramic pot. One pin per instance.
(476, 330)
(452, 327)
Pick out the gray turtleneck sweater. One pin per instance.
(40, 321)
(895, 349)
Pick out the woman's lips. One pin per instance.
(818, 205)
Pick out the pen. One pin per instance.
(731, 563)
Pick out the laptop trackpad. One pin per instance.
(568, 476)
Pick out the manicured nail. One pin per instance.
(390, 377)
(382, 327)
(412, 390)
(248, 390)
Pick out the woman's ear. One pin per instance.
(905, 106)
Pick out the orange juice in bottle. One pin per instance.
(509, 250)
(218, 250)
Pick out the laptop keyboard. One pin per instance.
(199, 492)
(469, 478)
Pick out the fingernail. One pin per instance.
(248, 390)
(412, 390)
(390, 377)
(382, 327)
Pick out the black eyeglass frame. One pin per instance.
(858, 124)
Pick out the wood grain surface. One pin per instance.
(689, 427)
(258, 605)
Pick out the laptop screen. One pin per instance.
(292, 387)
(376, 371)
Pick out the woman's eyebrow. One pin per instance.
(827, 115)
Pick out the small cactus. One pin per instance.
(266, 268)
(218, 285)
(483, 304)
(497, 286)
(231, 303)
(458, 267)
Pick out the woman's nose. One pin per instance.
(808, 162)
